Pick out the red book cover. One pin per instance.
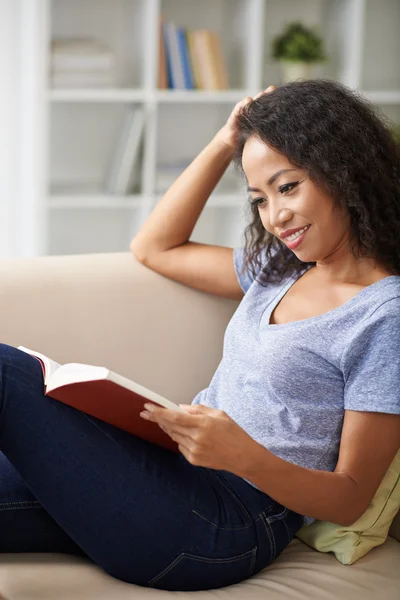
(110, 397)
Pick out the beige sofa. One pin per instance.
(110, 310)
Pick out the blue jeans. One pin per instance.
(70, 483)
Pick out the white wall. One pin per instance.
(9, 114)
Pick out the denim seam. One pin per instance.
(232, 493)
(23, 505)
(221, 528)
(270, 535)
(287, 531)
(281, 515)
(253, 562)
(204, 559)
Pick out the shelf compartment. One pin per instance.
(84, 139)
(119, 24)
(232, 20)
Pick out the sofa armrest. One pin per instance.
(110, 310)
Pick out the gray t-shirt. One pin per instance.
(288, 385)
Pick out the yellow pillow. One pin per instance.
(370, 530)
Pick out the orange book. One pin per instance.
(162, 60)
(220, 66)
(194, 59)
(210, 62)
(106, 395)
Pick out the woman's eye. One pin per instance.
(287, 187)
(257, 201)
(284, 188)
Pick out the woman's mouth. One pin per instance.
(293, 241)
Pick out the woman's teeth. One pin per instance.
(294, 236)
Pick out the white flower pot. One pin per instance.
(291, 71)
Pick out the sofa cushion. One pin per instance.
(370, 530)
(298, 573)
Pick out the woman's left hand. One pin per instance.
(206, 437)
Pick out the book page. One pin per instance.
(49, 366)
(75, 373)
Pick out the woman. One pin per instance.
(302, 417)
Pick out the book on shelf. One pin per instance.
(207, 59)
(176, 75)
(78, 62)
(106, 395)
(218, 57)
(194, 59)
(82, 79)
(191, 59)
(124, 165)
(163, 83)
(184, 58)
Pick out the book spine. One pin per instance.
(211, 62)
(175, 69)
(163, 83)
(201, 42)
(168, 58)
(184, 56)
(218, 57)
(193, 59)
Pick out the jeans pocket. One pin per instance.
(236, 517)
(190, 572)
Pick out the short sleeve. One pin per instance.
(371, 365)
(245, 279)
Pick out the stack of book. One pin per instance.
(81, 62)
(190, 59)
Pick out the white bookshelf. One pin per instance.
(68, 136)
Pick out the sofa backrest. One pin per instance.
(108, 309)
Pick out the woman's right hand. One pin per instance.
(227, 133)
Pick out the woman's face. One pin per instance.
(290, 200)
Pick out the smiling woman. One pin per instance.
(300, 421)
(315, 153)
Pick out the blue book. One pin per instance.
(185, 60)
(168, 56)
(174, 60)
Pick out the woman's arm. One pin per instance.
(368, 445)
(172, 221)
(369, 442)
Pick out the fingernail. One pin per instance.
(144, 415)
(148, 407)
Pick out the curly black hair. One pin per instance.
(345, 144)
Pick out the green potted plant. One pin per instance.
(298, 48)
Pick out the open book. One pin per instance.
(106, 395)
